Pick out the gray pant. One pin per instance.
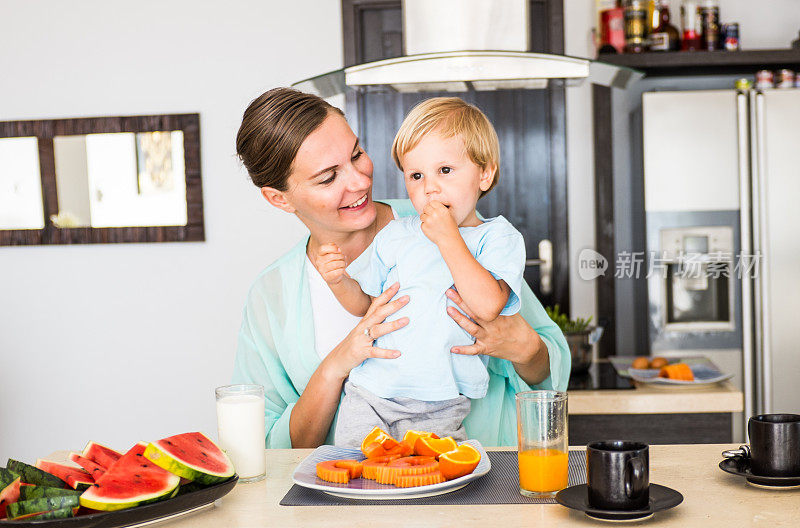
(360, 411)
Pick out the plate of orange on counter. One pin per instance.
(679, 375)
(419, 465)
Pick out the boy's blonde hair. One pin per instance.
(451, 116)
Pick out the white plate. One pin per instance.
(704, 376)
(306, 475)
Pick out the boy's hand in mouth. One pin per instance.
(437, 223)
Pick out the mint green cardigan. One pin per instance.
(276, 350)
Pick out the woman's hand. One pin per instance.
(506, 337)
(358, 345)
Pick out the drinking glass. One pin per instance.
(240, 424)
(542, 442)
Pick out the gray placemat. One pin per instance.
(499, 486)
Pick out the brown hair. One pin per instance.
(273, 127)
(451, 116)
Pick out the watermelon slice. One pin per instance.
(33, 475)
(45, 504)
(40, 492)
(76, 477)
(60, 513)
(100, 454)
(9, 495)
(7, 477)
(131, 481)
(94, 469)
(192, 456)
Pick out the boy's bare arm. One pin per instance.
(485, 295)
(331, 265)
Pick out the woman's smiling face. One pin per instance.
(330, 187)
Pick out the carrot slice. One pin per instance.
(413, 465)
(425, 479)
(371, 465)
(339, 471)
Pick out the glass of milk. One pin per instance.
(240, 424)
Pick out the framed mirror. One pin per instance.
(101, 180)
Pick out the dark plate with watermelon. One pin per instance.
(182, 504)
(151, 482)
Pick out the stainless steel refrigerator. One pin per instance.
(722, 188)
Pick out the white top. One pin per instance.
(426, 369)
(332, 322)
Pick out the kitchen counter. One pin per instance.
(656, 415)
(646, 399)
(712, 498)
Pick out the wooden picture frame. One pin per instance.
(46, 130)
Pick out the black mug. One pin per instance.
(774, 445)
(618, 475)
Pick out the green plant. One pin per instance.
(567, 325)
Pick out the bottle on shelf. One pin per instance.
(652, 15)
(635, 26)
(691, 27)
(612, 29)
(665, 36)
(709, 24)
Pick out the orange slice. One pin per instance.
(678, 371)
(371, 465)
(377, 443)
(401, 450)
(413, 465)
(339, 471)
(429, 446)
(425, 479)
(373, 450)
(410, 438)
(459, 462)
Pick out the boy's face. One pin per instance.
(439, 169)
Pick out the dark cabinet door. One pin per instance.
(531, 192)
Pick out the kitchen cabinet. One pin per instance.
(655, 416)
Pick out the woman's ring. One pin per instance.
(367, 331)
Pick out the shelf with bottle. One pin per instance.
(673, 63)
(638, 26)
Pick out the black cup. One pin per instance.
(618, 475)
(774, 445)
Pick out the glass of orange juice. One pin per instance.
(542, 442)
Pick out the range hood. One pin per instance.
(458, 45)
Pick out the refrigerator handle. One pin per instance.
(746, 248)
(760, 243)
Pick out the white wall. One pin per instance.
(125, 342)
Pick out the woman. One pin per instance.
(297, 341)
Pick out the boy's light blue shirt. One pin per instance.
(276, 349)
(426, 369)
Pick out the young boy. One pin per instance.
(449, 154)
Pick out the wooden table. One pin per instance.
(712, 498)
